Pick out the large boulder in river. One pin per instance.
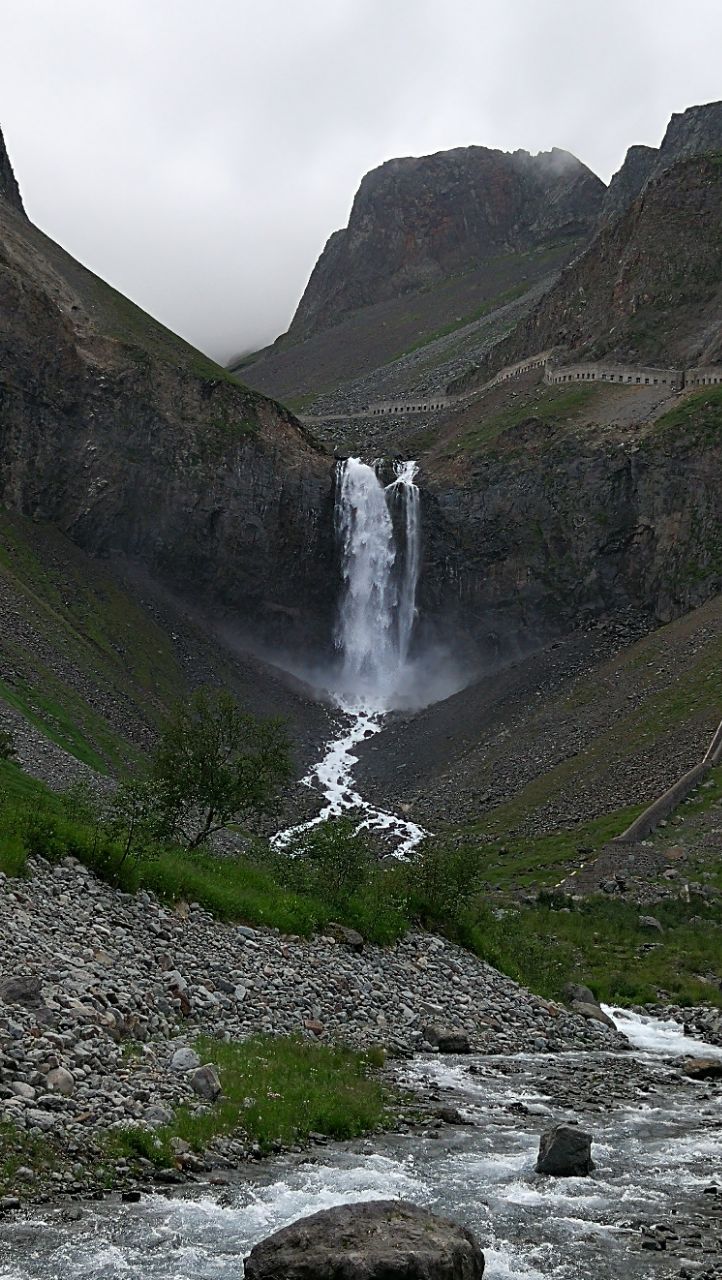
(565, 1152)
(577, 993)
(379, 1240)
(447, 1039)
(593, 1013)
(703, 1068)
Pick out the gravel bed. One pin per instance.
(100, 990)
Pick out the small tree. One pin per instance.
(7, 745)
(215, 765)
(135, 817)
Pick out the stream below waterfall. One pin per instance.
(657, 1149)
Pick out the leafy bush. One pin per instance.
(216, 765)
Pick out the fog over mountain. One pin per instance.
(199, 157)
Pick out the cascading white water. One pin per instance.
(377, 613)
(405, 490)
(378, 605)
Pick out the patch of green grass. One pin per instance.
(275, 1090)
(492, 304)
(544, 860)
(18, 1149)
(550, 405)
(51, 717)
(89, 635)
(601, 943)
(700, 410)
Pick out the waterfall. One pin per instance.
(380, 571)
(404, 490)
(379, 535)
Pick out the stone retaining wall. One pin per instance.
(670, 799)
(628, 375)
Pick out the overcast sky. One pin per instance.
(198, 153)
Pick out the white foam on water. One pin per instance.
(658, 1036)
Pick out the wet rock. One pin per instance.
(565, 1152)
(205, 1082)
(447, 1039)
(451, 1115)
(703, 1068)
(379, 1240)
(592, 1012)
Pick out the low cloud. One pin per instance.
(198, 155)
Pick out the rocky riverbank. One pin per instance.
(103, 995)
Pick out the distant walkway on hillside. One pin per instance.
(598, 371)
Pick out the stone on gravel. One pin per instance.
(350, 938)
(565, 1152)
(205, 1082)
(23, 989)
(703, 1068)
(593, 1012)
(447, 1039)
(60, 1080)
(378, 1240)
(184, 1059)
(577, 993)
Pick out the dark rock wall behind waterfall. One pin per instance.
(529, 544)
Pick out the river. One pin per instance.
(657, 1149)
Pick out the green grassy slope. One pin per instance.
(79, 657)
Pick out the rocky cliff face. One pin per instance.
(134, 444)
(693, 132)
(417, 221)
(628, 181)
(649, 288)
(9, 190)
(551, 525)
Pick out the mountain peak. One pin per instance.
(693, 132)
(418, 220)
(9, 190)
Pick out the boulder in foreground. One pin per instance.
(703, 1068)
(379, 1240)
(565, 1152)
(447, 1039)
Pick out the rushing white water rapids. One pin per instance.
(654, 1035)
(657, 1149)
(378, 529)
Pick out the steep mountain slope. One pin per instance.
(91, 659)
(9, 190)
(693, 132)
(577, 735)
(133, 443)
(416, 221)
(648, 290)
(430, 242)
